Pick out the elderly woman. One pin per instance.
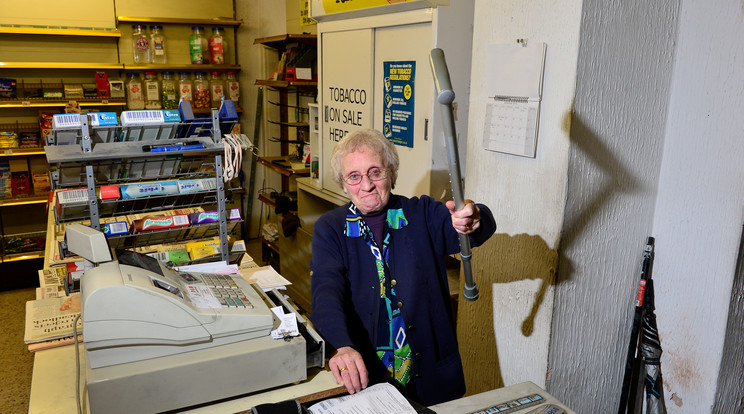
(379, 282)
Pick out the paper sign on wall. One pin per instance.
(514, 92)
(398, 102)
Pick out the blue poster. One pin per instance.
(398, 102)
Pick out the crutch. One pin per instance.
(446, 96)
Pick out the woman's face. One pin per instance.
(369, 196)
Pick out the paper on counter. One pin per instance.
(212, 267)
(380, 398)
(265, 277)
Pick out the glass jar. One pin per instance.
(202, 97)
(170, 96)
(233, 87)
(217, 46)
(157, 45)
(198, 48)
(152, 91)
(135, 98)
(140, 45)
(217, 87)
(185, 87)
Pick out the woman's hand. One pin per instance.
(467, 219)
(348, 368)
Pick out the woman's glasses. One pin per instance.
(375, 174)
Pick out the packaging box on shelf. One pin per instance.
(196, 185)
(45, 124)
(29, 139)
(150, 125)
(200, 249)
(72, 204)
(66, 128)
(8, 88)
(102, 84)
(20, 178)
(211, 217)
(159, 229)
(90, 90)
(8, 140)
(116, 88)
(39, 175)
(146, 189)
(116, 228)
(74, 91)
(5, 183)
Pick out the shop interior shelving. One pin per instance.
(99, 155)
(283, 162)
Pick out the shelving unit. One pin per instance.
(77, 54)
(90, 165)
(288, 131)
(38, 68)
(293, 128)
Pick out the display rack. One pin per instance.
(292, 123)
(85, 158)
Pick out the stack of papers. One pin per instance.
(380, 398)
(52, 318)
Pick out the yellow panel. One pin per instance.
(25, 48)
(176, 8)
(71, 13)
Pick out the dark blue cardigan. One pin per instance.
(345, 292)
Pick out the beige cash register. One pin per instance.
(157, 339)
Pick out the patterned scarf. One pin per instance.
(392, 343)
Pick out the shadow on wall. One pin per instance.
(502, 259)
(601, 175)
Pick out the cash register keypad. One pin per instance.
(226, 291)
(513, 405)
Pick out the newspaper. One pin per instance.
(51, 282)
(51, 318)
(382, 398)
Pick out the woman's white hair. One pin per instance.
(374, 141)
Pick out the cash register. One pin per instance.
(158, 339)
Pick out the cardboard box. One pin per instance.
(102, 84)
(116, 88)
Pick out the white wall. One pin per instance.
(526, 195)
(617, 132)
(698, 217)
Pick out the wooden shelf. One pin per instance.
(188, 66)
(22, 256)
(60, 65)
(60, 31)
(266, 199)
(24, 201)
(21, 152)
(50, 103)
(169, 20)
(279, 41)
(286, 84)
(285, 171)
